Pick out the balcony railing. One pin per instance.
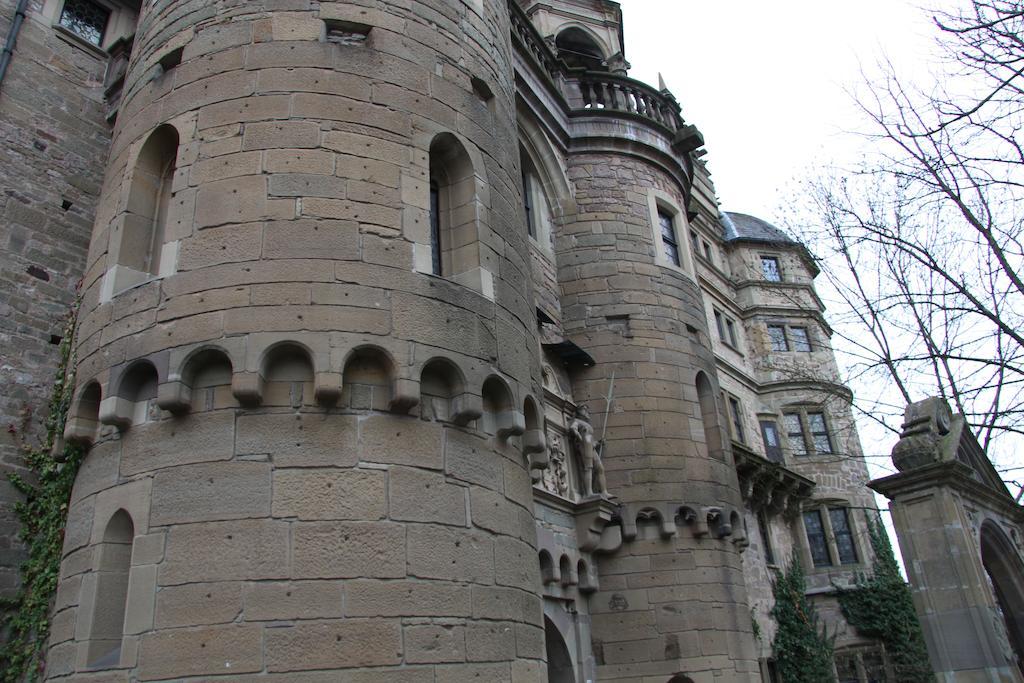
(593, 90)
(599, 90)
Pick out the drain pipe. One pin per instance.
(12, 38)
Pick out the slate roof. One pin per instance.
(740, 226)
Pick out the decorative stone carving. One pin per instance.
(925, 423)
(555, 479)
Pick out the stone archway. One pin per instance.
(1006, 573)
(560, 669)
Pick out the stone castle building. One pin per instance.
(412, 345)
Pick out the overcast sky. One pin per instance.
(765, 82)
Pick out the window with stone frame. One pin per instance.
(816, 540)
(772, 441)
(807, 432)
(795, 433)
(777, 338)
(531, 227)
(666, 224)
(800, 338)
(86, 19)
(736, 418)
(829, 528)
(770, 268)
(863, 665)
(846, 550)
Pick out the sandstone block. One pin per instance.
(474, 673)
(330, 494)
(515, 564)
(298, 161)
(203, 437)
(258, 108)
(348, 550)
(201, 651)
(231, 244)
(490, 641)
(419, 496)
(216, 491)
(245, 550)
(451, 554)
(347, 644)
(288, 600)
(364, 598)
(281, 134)
(400, 441)
(198, 604)
(226, 166)
(469, 457)
(300, 440)
(311, 239)
(434, 643)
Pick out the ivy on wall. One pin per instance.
(880, 606)
(25, 619)
(802, 647)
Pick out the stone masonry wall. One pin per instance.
(299, 507)
(672, 599)
(51, 166)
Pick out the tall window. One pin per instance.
(531, 228)
(454, 212)
(772, 442)
(730, 329)
(766, 540)
(139, 245)
(736, 414)
(435, 227)
(845, 548)
(106, 628)
(770, 269)
(668, 237)
(795, 433)
(819, 432)
(816, 538)
(789, 338)
(726, 327)
(86, 19)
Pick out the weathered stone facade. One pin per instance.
(413, 346)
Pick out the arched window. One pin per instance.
(440, 383)
(84, 418)
(454, 211)
(208, 376)
(560, 668)
(139, 386)
(535, 202)
(140, 245)
(114, 562)
(579, 50)
(710, 417)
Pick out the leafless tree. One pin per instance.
(922, 242)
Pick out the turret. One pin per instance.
(305, 360)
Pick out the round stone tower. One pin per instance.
(307, 355)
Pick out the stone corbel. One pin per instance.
(668, 523)
(466, 408)
(592, 518)
(405, 396)
(247, 388)
(174, 397)
(510, 423)
(535, 448)
(117, 411)
(80, 430)
(628, 522)
(327, 387)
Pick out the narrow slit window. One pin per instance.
(531, 228)
(720, 325)
(730, 328)
(435, 227)
(668, 237)
(766, 540)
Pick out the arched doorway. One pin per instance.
(1006, 574)
(559, 661)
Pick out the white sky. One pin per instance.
(764, 82)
